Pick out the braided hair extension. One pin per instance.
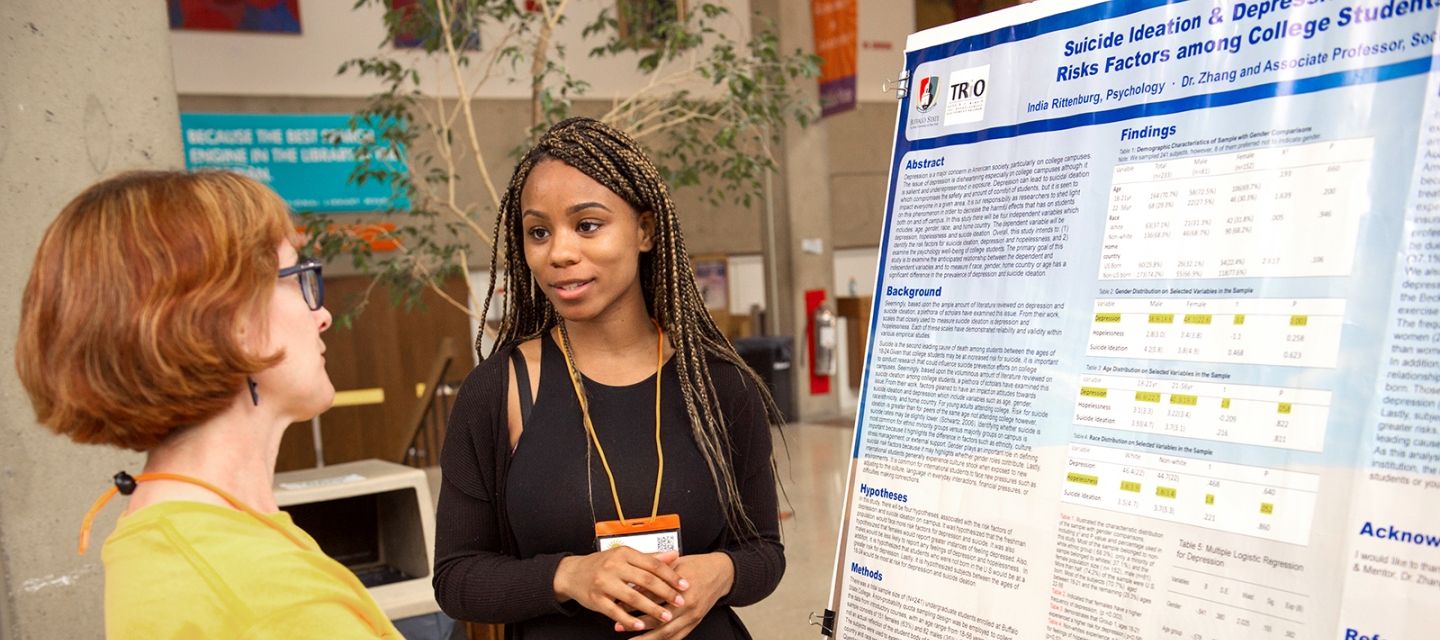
(671, 293)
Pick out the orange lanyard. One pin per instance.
(590, 426)
(234, 502)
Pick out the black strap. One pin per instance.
(522, 379)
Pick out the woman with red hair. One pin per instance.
(168, 312)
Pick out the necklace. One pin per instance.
(125, 484)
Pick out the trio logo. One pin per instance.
(969, 89)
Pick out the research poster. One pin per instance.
(1156, 338)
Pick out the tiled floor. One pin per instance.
(813, 460)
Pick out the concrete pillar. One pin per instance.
(86, 91)
(801, 203)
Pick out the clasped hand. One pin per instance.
(642, 591)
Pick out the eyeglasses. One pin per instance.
(311, 284)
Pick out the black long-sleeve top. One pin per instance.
(484, 573)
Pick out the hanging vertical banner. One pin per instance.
(1156, 337)
(836, 43)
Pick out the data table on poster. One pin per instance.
(1242, 414)
(1255, 501)
(1204, 605)
(1272, 213)
(1303, 332)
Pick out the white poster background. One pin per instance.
(1156, 349)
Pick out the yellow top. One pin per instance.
(193, 570)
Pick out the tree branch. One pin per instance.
(463, 96)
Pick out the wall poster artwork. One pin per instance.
(266, 16)
(306, 158)
(711, 274)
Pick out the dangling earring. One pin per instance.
(254, 396)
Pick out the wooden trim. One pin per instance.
(856, 311)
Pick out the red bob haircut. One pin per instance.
(132, 319)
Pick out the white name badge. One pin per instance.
(645, 535)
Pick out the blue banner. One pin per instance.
(307, 159)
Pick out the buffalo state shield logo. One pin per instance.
(925, 94)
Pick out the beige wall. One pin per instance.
(727, 228)
(264, 64)
(883, 26)
(860, 145)
(861, 140)
(216, 63)
(833, 175)
(85, 92)
(237, 72)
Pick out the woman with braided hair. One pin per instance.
(610, 393)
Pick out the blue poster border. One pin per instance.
(1049, 24)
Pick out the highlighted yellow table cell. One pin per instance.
(1147, 396)
(1197, 318)
(1210, 498)
(1224, 403)
(1132, 487)
(1284, 407)
(1107, 317)
(1092, 392)
(1162, 318)
(1267, 508)
(1080, 478)
(1299, 321)
(1239, 318)
(1165, 492)
(1180, 398)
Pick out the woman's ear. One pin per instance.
(647, 231)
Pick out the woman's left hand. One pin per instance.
(710, 576)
